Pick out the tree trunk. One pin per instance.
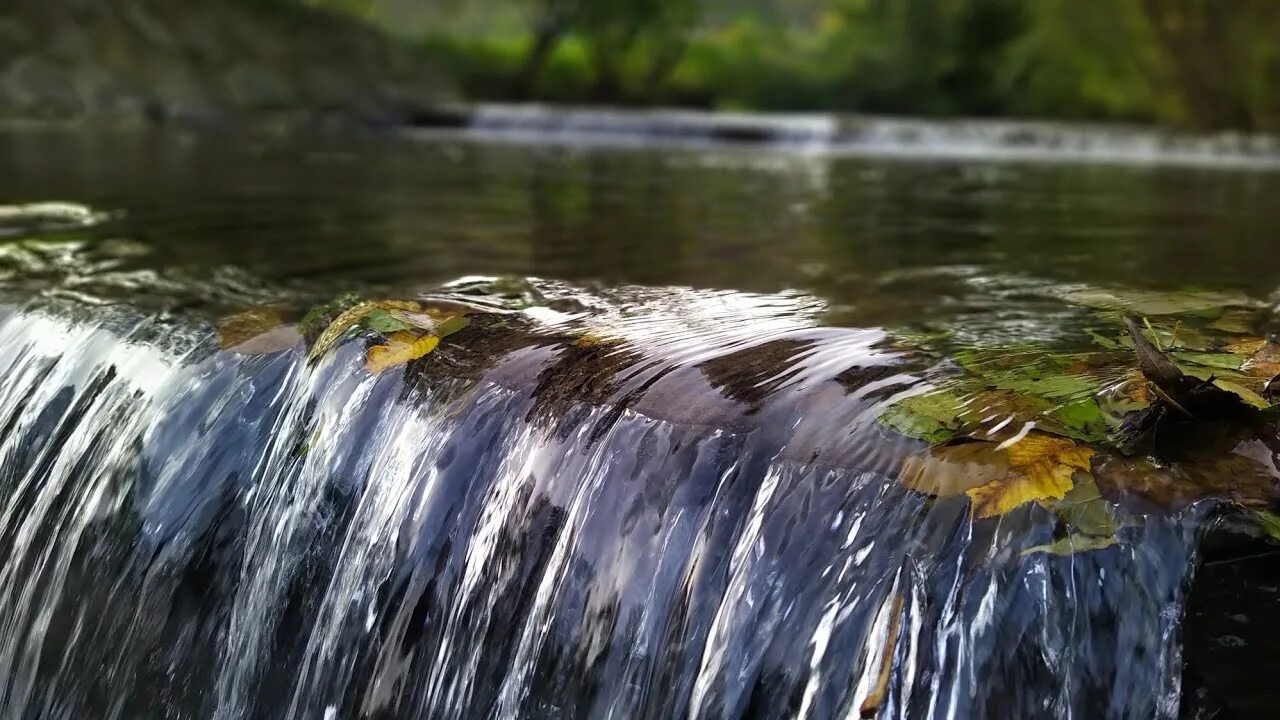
(544, 43)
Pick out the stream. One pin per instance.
(652, 478)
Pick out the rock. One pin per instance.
(202, 62)
(257, 87)
(41, 88)
(327, 90)
(181, 96)
(114, 96)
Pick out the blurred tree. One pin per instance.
(1079, 60)
(930, 56)
(652, 34)
(1222, 59)
(1196, 63)
(356, 8)
(548, 21)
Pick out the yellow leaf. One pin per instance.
(1234, 321)
(875, 699)
(339, 327)
(1245, 347)
(1040, 467)
(352, 317)
(1244, 393)
(399, 349)
(1264, 363)
(593, 339)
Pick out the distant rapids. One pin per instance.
(706, 528)
(980, 140)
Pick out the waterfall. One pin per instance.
(192, 533)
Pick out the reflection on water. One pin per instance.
(857, 231)
(661, 492)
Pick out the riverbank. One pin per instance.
(204, 61)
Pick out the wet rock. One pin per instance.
(325, 89)
(114, 96)
(181, 96)
(259, 88)
(42, 88)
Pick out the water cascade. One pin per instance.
(702, 524)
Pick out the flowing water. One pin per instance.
(701, 521)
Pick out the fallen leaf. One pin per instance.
(239, 328)
(1102, 340)
(1234, 321)
(1247, 394)
(311, 320)
(948, 470)
(1040, 467)
(346, 320)
(379, 320)
(1245, 347)
(1268, 522)
(1220, 361)
(1084, 511)
(1133, 390)
(1072, 544)
(274, 340)
(1154, 302)
(400, 348)
(930, 416)
(594, 339)
(875, 699)
(1264, 363)
(451, 324)
(359, 314)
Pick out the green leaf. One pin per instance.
(1084, 510)
(1222, 361)
(1072, 544)
(1082, 419)
(339, 327)
(381, 321)
(931, 416)
(1049, 385)
(318, 314)
(1102, 340)
(1268, 522)
(1154, 302)
(451, 325)
(1244, 393)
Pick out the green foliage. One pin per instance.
(1180, 62)
(1002, 389)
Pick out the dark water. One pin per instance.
(703, 525)
(416, 213)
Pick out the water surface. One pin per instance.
(701, 521)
